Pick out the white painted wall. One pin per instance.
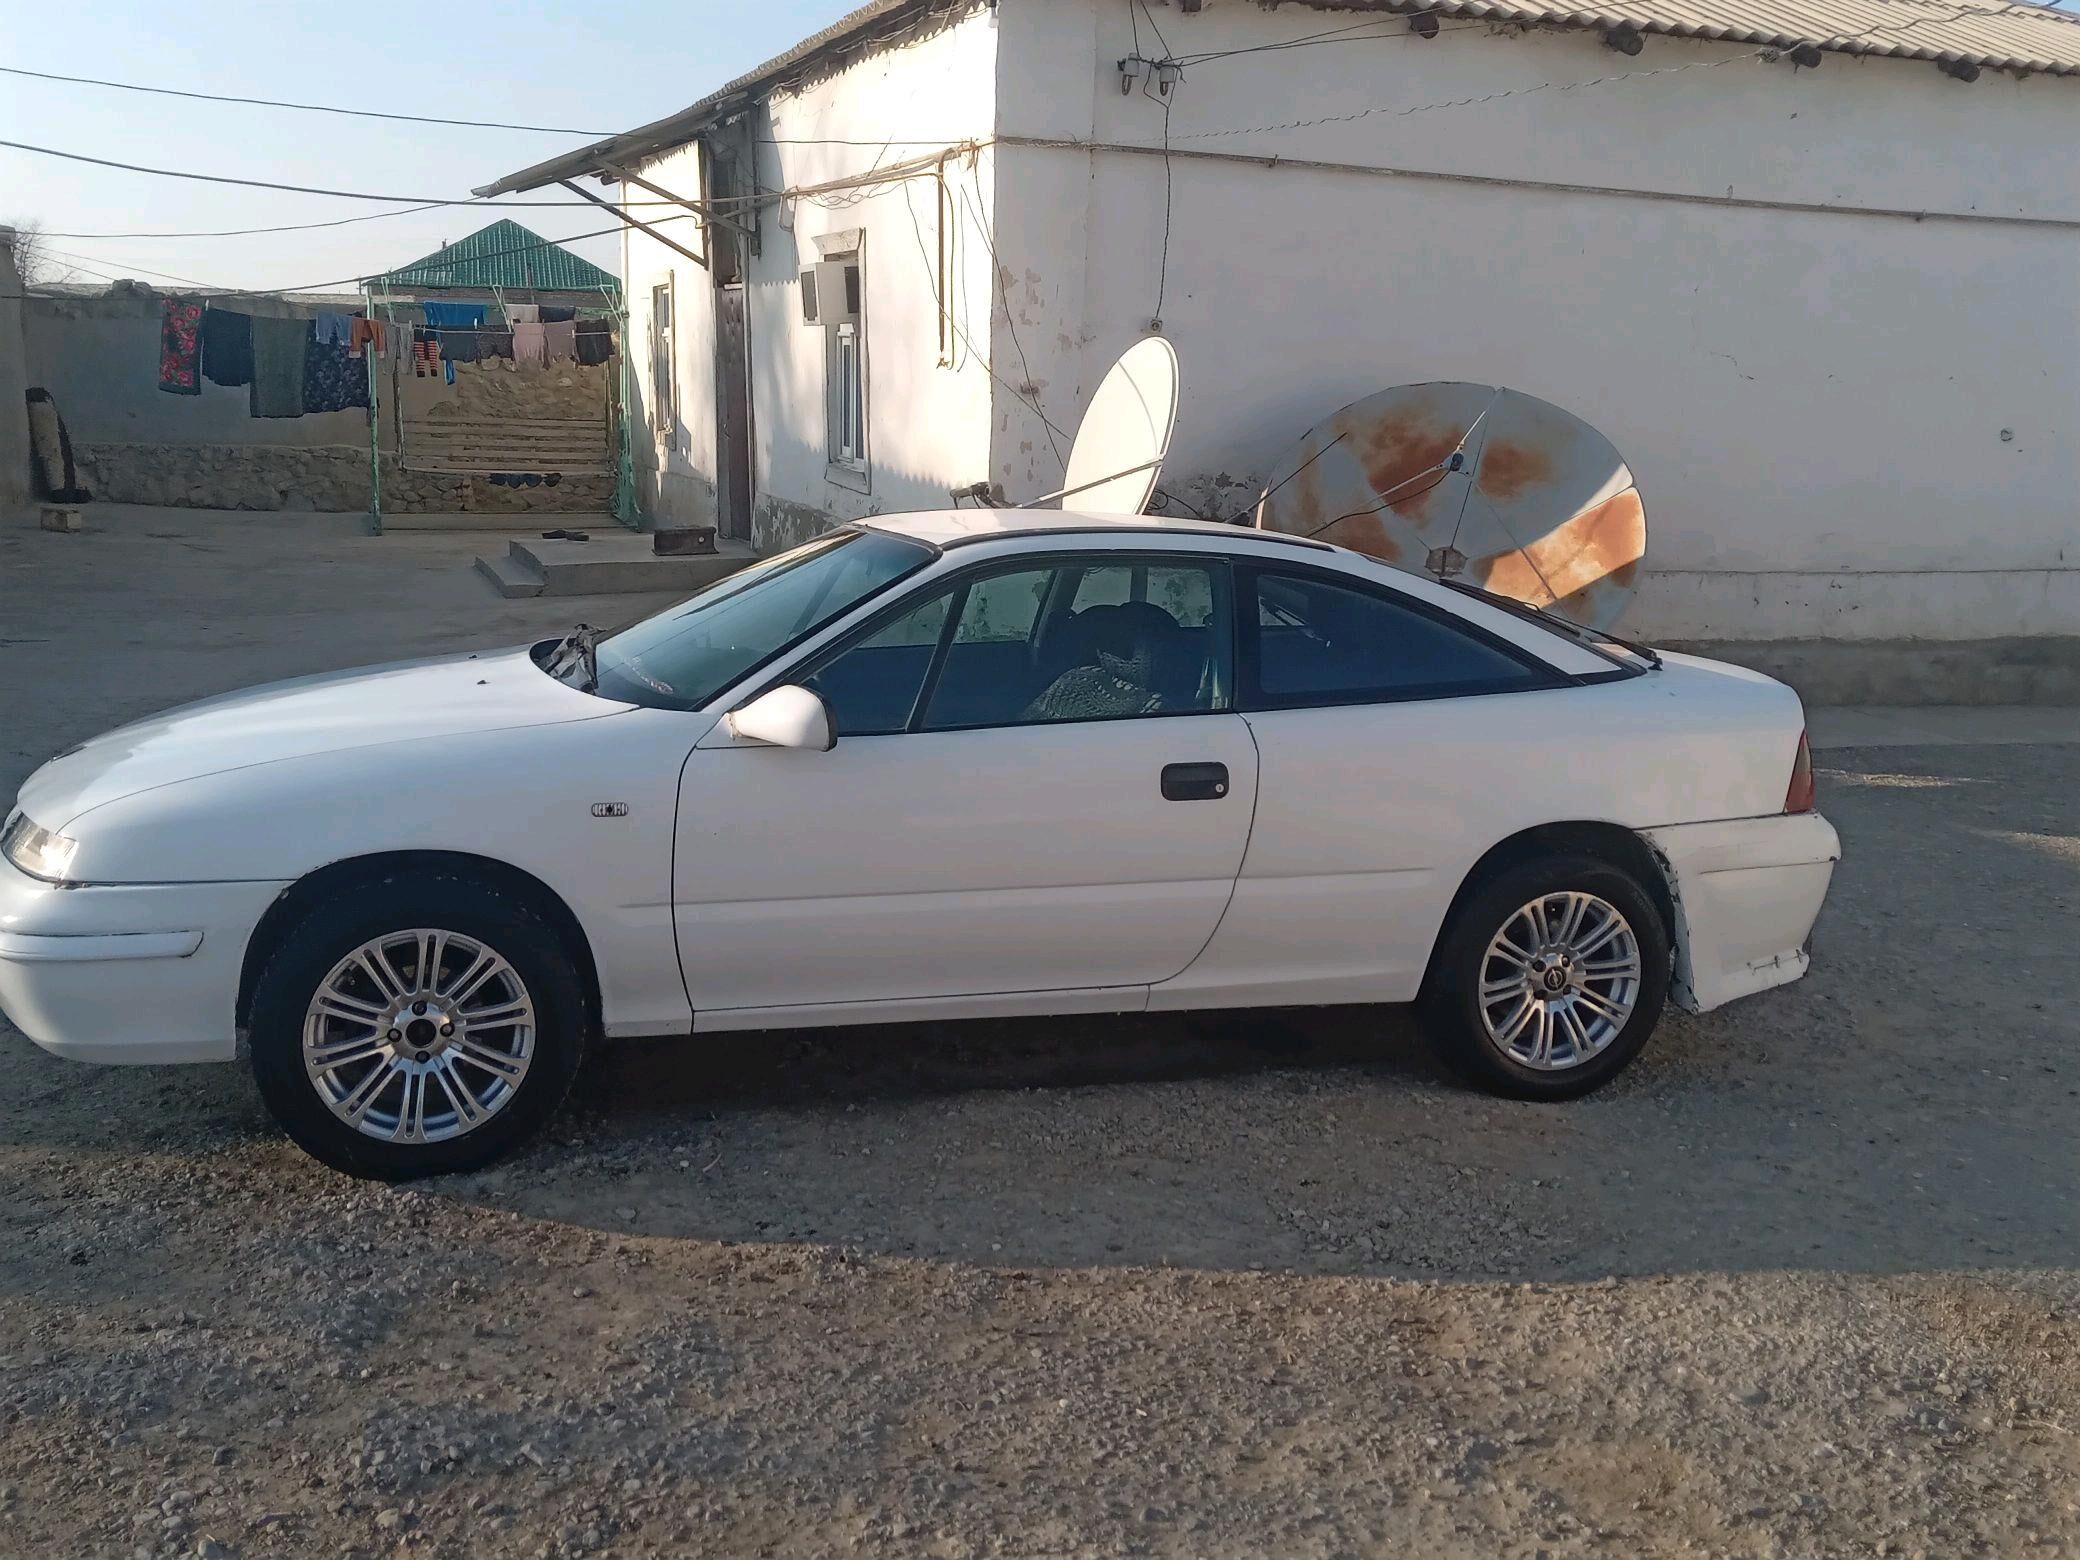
(1812, 401)
(927, 411)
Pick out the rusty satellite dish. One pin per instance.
(1475, 482)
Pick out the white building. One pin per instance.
(1813, 265)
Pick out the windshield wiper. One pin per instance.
(582, 642)
(1580, 631)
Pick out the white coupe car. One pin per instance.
(948, 765)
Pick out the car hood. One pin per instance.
(408, 701)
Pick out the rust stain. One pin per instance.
(1397, 452)
(1596, 545)
(1507, 468)
(1367, 534)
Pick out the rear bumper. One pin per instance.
(1747, 893)
(135, 973)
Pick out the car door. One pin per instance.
(1398, 743)
(1038, 785)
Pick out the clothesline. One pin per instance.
(297, 364)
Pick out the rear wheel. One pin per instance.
(1549, 979)
(420, 1024)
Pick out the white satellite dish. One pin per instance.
(1124, 435)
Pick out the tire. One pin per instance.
(1471, 1036)
(517, 1024)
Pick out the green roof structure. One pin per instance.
(503, 255)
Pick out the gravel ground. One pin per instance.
(1803, 1282)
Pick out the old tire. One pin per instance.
(417, 1024)
(1590, 984)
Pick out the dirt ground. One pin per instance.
(1806, 1281)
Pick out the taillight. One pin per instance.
(1798, 797)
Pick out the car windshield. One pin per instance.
(1605, 643)
(683, 657)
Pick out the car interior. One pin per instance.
(1072, 662)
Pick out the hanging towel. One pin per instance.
(560, 341)
(529, 342)
(331, 326)
(366, 332)
(333, 378)
(227, 347)
(279, 348)
(556, 313)
(595, 341)
(180, 346)
(523, 314)
(454, 316)
(448, 369)
(462, 346)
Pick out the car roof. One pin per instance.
(953, 527)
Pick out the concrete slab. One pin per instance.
(512, 577)
(612, 563)
(507, 524)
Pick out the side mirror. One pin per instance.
(789, 717)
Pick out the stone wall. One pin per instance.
(230, 476)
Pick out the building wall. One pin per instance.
(1845, 426)
(99, 357)
(15, 485)
(928, 410)
(137, 444)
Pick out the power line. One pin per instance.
(302, 189)
(308, 108)
(288, 227)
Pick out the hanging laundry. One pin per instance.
(333, 378)
(331, 326)
(495, 344)
(529, 342)
(454, 316)
(462, 346)
(560, 341)
(366, 332)
(227, 347)
(523, 314)
(180, 346)
(426, 354)
(556, 313)
(279, 348)
(595, 341)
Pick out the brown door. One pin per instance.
(733, 412)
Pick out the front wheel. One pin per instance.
(417, 1025)
(1549, 979)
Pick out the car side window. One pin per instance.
(1036, 645)
(1312, 641)
(872, 687)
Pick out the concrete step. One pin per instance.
(622, 563)
(512, 577)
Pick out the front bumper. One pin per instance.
(1747, 893)
(126, 973)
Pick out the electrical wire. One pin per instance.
(287, 227)
(308, 108)
(141, 269)
(301, 189)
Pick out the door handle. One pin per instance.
(1194, 782)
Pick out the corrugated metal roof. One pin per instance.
(506, 255)
(1988, 33)
(2012, 36)
(677, 129)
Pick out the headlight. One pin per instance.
(36, 850)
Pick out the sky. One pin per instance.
(574, 63)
